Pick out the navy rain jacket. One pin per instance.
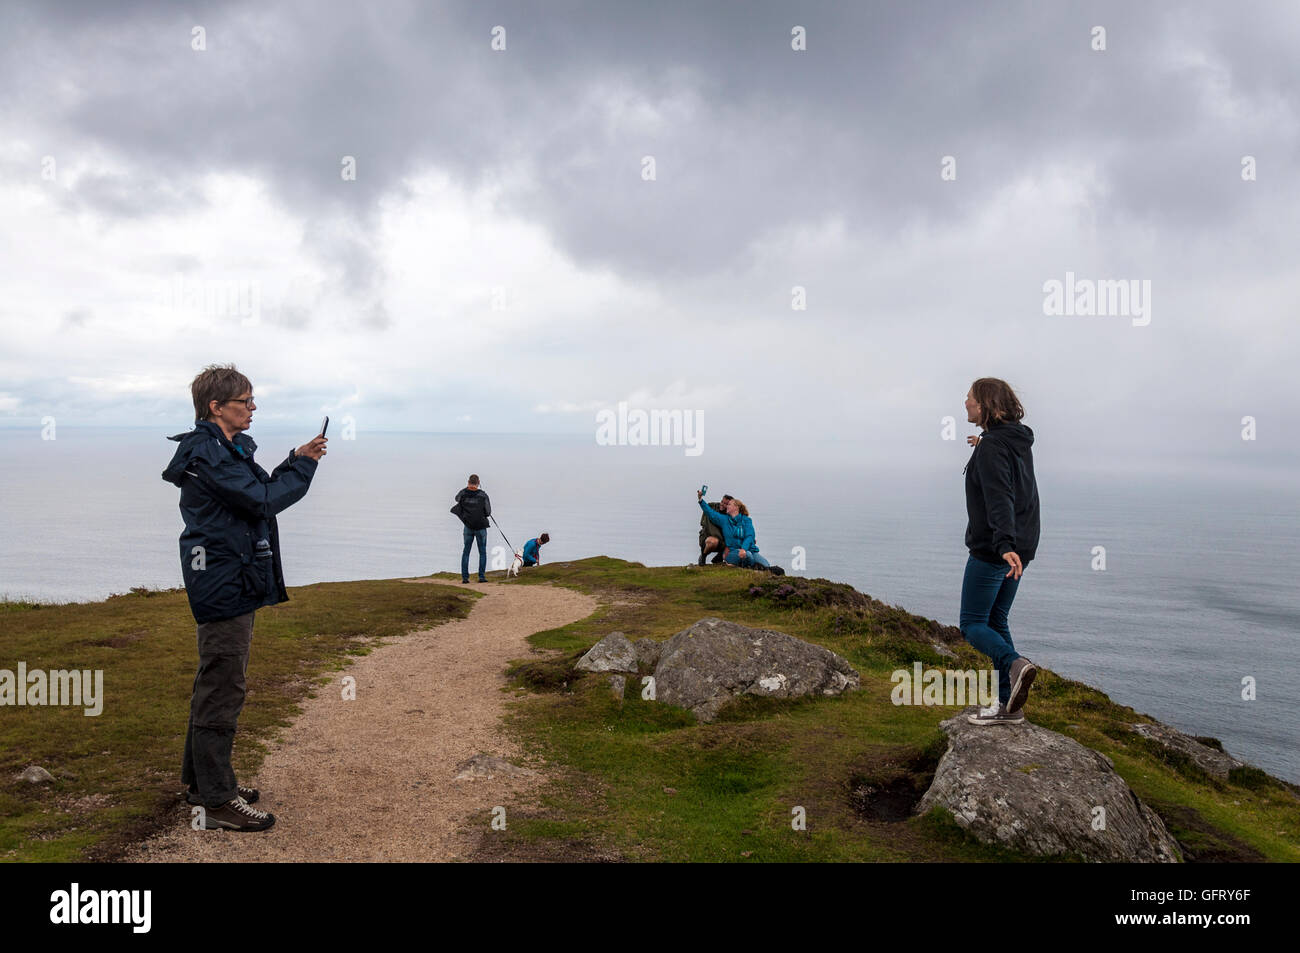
(229, 505)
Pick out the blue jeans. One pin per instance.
(986, 596)
(749, 562)
(471, 536)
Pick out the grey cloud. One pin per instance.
(853, 127)
(125, 197)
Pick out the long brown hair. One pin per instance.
(998, 402)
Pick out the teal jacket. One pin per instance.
(737, 531)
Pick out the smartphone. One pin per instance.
(704, 490)
(323, 424)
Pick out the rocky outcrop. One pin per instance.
(713, 661)
(35, 774)
(647, 653)
(1039, 792)
(1213, 761)
(613, 653)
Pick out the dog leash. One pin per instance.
(502, 532)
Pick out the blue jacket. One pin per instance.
(737, 531)
(229, 504)
(532, 550)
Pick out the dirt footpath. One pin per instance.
(373, 779)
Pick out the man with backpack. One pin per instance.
(473, 507)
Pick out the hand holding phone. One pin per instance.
(315, 448)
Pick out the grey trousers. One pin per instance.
(215, 705)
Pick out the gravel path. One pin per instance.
(374, 778)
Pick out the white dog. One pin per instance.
(516, 565)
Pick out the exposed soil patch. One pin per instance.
(889, 788)
(373, 778)
(1200, 841)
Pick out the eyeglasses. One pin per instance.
(240, 400)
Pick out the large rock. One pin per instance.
(1037, 791)
(1213, 761)
(647, 652)
(613, 653)
(703, 667)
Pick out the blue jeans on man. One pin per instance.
(471, 536)
(987, 592)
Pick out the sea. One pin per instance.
(1197, 600)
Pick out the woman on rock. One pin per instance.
(1001, 536)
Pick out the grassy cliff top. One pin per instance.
(644, 780)
(637, 780)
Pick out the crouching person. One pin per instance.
(710, 532)
(230, 561)
(532, 554)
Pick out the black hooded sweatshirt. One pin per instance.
(1002, 495)
(473, 507)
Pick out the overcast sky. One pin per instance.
(502, 262)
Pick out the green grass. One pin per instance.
(632, 780)
(647, 782)
(116, 774)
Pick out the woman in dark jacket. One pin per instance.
(1002, 537)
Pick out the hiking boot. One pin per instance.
(236, 815)
(996, 715)
(250, 795)
(1022, 674)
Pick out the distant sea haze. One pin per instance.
(1198, 590)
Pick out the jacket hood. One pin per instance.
(1016, 436)
(205, 442)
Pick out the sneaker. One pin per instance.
(250, 795)
(236, 815)
(1022, 674)
(996, 715)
